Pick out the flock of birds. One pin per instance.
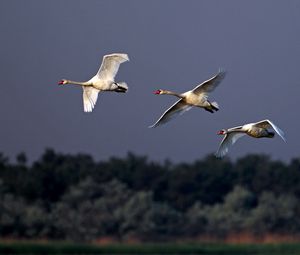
(104, 80)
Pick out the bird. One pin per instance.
(197, 97)
(257, 130)
(104, 80)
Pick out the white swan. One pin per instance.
(256, 130)
(196, 97)
(104, 80)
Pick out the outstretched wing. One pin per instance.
(178, 108)
(267, 124)
(209, 85)
(228, 141)
(90, 96)
(110, 65)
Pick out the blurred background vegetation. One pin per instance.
(72, 197)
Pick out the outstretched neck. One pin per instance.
(167, 92)
(84, 83)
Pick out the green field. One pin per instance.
(70, 248)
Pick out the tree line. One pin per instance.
(72, 197)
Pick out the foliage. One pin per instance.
(72, 197)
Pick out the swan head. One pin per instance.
(222, 132)
(62, 82)
(158, 92)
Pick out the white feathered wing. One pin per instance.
(90, 96)
(227, 142)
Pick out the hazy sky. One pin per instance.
(172, 45)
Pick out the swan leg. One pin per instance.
(120, 89)
(208, 109)
(214, 106)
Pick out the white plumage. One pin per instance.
(197, 97)
(256, 130)
(104, 80)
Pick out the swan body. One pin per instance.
(197, 97)
(104, 80)
(256, 130)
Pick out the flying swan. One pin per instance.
(196, 97)
(104, 80)
(256, 130)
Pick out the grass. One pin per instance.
(217, 249)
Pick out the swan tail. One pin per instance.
(122, 87)
(214, 106)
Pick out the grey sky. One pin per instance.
(172, 45)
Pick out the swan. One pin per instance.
(104, 80)
(198, 97)
(256, 130)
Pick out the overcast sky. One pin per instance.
(172, 45)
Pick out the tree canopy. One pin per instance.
(72, 197)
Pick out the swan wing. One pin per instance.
(268, 124)
(178, 108)
(90, 96)
(227, 142)
(209, 85)
(110, 65)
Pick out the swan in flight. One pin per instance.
(256, 130)
(104, 80)
(198, 97)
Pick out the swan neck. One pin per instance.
(85, 83)
(167, 92)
